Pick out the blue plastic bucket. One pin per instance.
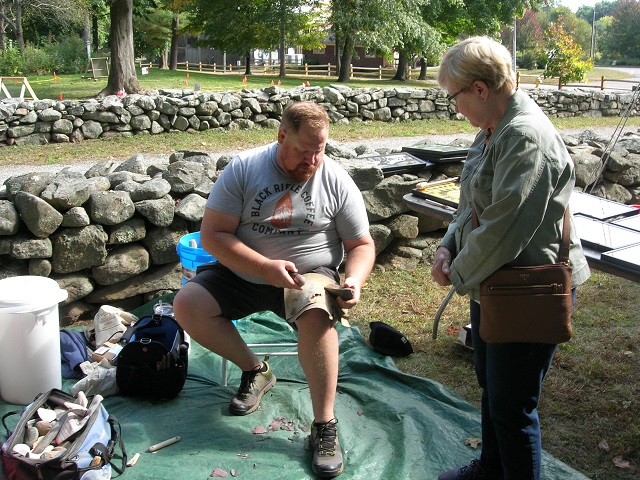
(192, 255)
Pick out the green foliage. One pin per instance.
(69, 55)
(37, 61)
(152, 32)
(11, 62)
(565, 56)
(531, 58)
(624, 28)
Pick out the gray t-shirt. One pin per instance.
(303, 222)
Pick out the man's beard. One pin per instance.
(303, 172)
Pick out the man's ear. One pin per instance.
(281, 135)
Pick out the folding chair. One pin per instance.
(259, 353)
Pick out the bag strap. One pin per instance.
(4, 420)
(116, 436)
(563, 254)
(154, 321)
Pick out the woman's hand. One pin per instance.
(440, 271)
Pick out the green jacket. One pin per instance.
(520, 183)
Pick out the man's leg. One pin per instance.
(318, 355)
(318, 350)
(200, 315)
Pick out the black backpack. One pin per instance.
(154, 358)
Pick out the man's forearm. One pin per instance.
(359, 263)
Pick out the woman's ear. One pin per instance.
(481, 88)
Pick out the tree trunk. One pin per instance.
(122, 75)
(423, 68)
(164, 59)
(403, 62)
(173, 56)
(345, 59)
(19, 34)
(337, 53)
(3, 27)
(94, 31)
(283, 62)
(86, 34)
(247, 70)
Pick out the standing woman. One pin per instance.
(519, 176)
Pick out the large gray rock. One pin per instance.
(164, 277)
(24, 248)
(159, 212)
(40, 218)
(161, 242)
(67, 190)
(121, 263)
(110, 208)
(33, 183)
(75, 249)
(9, 218)
(184, 176)
(77, 286)
(128, 231)
(191, 207)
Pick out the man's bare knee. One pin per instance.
(191, 302)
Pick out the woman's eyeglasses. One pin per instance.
(451, 97)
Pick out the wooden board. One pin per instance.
(446, 192)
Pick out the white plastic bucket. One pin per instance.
(29, 337)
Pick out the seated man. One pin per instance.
(275, 213)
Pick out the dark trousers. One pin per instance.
(510, 375)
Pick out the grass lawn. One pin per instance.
(590, 406)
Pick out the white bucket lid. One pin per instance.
(30, 290)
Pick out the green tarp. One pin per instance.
(392, 426)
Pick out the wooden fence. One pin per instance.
(367, 73)
(305, 70)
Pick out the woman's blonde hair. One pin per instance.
(477, 58)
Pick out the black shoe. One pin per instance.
(473, 471)
(327, 455)
(253, 385)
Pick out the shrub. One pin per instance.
(532, 58)
(69, 55)
(36, 61)
(11, 64)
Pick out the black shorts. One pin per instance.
(239, 298)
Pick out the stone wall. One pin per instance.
(50, 121)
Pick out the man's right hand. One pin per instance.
(282, 274)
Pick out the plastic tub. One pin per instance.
(29, 337)
(192, 255)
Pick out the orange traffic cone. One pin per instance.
(307, 84)
(244, 80)
(272, 83)
(279, 82)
